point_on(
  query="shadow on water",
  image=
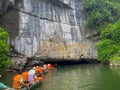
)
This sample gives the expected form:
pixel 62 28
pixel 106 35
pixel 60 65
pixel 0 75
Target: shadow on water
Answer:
pixel 72 62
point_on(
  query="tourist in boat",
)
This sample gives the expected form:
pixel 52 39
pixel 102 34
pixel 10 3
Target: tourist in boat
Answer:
pixel 25 77
pixel 39 70
pixel 45 67
pixel 49 66
pixel 37 79
pixel 31 75
pixel 18 82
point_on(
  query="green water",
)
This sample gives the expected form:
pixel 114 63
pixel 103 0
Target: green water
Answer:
pixel 78 77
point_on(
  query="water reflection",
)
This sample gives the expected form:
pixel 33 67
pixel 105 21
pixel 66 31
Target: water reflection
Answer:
pixel 109 79
pixel 79 77
pixel 116 70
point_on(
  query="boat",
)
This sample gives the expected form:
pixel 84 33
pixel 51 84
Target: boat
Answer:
pixel 46 71
pixel 32 86
pixel 37 83
pixel 51 68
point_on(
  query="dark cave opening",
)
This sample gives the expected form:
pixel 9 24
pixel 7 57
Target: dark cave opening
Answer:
pixel 71 62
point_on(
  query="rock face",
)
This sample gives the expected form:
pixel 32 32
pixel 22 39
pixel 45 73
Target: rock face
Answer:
pixel 52 29
pixel 3 6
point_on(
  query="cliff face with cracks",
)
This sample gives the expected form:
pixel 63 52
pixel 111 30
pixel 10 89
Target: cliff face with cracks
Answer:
pixel 50 29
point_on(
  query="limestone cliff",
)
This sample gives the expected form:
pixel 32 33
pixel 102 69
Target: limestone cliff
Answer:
pixel 4 5
pixel 50 29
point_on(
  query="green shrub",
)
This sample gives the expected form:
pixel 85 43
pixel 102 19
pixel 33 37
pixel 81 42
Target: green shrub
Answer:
pixel 4 50
pixel 101 12
pixel 109 45
pixel 104 16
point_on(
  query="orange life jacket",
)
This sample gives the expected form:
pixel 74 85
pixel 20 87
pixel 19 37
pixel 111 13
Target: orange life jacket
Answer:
pixel 39 70
pixel 25 76
pixel 49 66
pixel 16 81
pixel 37 79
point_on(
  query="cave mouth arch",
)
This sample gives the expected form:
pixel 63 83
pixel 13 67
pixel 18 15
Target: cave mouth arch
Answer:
pixel 71 62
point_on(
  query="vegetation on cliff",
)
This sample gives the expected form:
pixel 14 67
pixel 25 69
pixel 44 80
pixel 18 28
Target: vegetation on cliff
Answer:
pixel 4 49
pixel 104 16
pixel 109 46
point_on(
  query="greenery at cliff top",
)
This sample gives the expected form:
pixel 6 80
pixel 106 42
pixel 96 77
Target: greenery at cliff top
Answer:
pixel 4 50
pixel 101 12
pixel 104 17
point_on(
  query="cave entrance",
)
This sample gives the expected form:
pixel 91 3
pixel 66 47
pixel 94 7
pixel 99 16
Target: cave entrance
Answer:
pixel 71 62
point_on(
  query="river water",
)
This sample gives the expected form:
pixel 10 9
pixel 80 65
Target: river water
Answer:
pixel 77 77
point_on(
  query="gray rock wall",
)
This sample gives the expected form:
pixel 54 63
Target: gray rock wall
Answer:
pixel 53 30
pixel 3 6
pixel 49 29
pixel 9 18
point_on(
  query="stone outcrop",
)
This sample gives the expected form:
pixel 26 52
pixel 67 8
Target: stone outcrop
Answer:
pixel 50 29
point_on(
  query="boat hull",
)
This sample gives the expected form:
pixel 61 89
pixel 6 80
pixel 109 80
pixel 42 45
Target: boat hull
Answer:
pixel 32 86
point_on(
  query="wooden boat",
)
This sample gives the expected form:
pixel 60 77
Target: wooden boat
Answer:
pixel 38 83
pixel 46 71
pixel 51 68
pixel 32 86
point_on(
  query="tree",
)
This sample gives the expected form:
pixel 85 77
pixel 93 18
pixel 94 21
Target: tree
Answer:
pixel 104 16
pixel 4 50
pixel 109 45
pixel 101 12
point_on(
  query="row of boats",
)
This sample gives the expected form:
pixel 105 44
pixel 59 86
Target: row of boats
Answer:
pixel 28 80
pixel 45 71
